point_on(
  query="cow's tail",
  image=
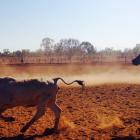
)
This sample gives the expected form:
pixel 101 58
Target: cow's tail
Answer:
pixel 80 82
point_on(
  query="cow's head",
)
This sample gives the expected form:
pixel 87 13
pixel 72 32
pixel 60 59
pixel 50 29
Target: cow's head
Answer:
pixel 136 61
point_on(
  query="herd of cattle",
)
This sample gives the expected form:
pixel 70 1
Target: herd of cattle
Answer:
pixel 31 93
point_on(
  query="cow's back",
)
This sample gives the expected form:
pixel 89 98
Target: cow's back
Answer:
pixel 24 93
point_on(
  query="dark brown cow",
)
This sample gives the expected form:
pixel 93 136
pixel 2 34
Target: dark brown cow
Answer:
pixel 136 61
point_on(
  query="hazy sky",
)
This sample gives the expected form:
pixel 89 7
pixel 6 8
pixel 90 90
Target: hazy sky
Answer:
pixel 105 23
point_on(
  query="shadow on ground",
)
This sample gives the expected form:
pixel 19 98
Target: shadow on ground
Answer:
pixel 124 138
pixel 47 132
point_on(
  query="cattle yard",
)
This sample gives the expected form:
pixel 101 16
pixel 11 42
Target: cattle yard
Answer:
pixel 108 108
pixel 82 59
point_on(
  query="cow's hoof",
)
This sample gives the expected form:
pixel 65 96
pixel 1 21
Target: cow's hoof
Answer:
pixel 50 131
pixel 55 130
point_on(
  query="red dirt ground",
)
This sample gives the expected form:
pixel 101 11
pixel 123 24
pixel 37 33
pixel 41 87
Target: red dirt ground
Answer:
pixel 101 112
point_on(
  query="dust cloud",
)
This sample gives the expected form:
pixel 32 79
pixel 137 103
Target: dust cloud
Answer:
pixel 65 123
pixel 91 74
pixel 106 121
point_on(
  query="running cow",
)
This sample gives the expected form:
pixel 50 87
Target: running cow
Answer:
pixel 31 93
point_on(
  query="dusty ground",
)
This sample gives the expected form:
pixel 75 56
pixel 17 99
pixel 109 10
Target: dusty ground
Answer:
pixel 109 108
pixel 109 111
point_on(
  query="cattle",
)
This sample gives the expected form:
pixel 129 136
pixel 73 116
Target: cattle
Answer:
pixel 5 81
pixel 32 93
pixel 136 61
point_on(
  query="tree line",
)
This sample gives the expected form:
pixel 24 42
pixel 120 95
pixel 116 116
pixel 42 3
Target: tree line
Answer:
pixel 70 47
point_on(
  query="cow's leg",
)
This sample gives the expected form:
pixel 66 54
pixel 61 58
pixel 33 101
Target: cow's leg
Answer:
pixel 40 112
pixel 7 119
pixel 1 111
pixel 57 111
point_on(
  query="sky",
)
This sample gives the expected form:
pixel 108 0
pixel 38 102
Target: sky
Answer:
pixel 104 23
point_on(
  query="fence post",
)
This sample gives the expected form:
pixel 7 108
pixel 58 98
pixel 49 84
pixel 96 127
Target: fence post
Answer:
pixel 125 59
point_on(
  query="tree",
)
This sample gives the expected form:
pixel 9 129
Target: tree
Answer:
pixel 69 43
pixel 39 52
pixel 69 46
pixel 47 45
pixel 107 51
pixel 58 49
pixel 6 52
pixel 87 48
pixel 17 53
pixel 136 49
pixel 26 52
